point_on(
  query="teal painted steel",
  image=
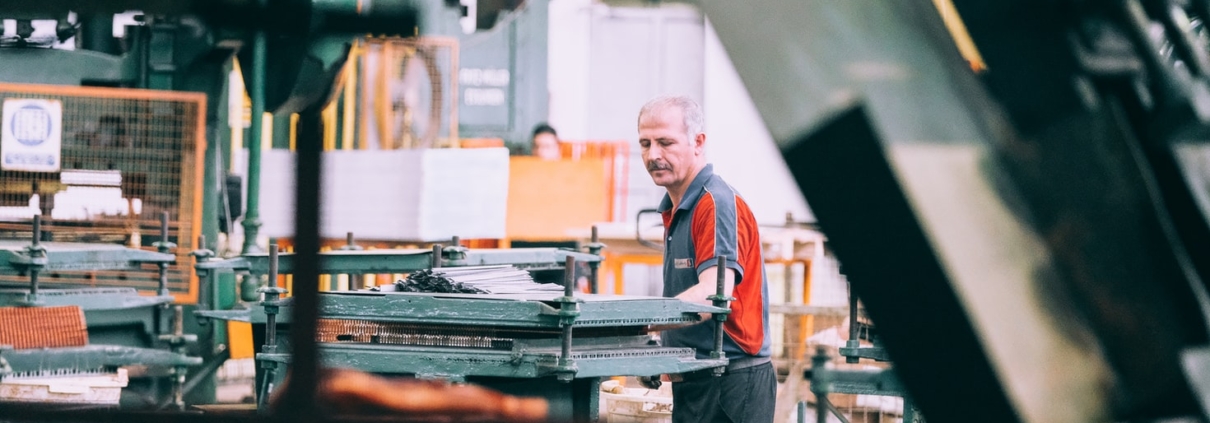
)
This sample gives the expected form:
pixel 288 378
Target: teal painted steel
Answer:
pixel 464 362
pixel 88 299
pixel 256 91
pixel 403 260
pixel 78 256
pixel 239 315
pixel 507 310
pixel 484 310
pixel 92 357
pixel 62 67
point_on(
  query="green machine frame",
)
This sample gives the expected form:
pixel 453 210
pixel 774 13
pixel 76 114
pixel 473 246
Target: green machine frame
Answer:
pixel 559 366
pixel 124 328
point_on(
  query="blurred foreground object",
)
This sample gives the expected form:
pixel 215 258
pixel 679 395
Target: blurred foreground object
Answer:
pixel 349 393
pixel 1034 222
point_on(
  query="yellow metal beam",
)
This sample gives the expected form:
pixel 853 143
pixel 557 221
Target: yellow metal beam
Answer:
pixel 962 38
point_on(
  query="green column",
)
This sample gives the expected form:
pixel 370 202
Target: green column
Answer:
pixel 256 90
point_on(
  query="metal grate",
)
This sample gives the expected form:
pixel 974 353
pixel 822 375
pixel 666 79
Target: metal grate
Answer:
pixel 42 327
pixel 127 155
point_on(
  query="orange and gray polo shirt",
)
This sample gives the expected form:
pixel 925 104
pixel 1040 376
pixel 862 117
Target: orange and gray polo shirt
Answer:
pixel 712 221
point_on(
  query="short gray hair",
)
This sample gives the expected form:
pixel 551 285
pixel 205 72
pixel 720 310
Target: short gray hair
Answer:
pixel 690 110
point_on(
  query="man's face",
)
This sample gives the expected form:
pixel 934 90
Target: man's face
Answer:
pixel 669 154
pixel 546 146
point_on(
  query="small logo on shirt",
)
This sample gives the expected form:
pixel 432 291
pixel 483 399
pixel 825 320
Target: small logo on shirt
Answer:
pixel 683 263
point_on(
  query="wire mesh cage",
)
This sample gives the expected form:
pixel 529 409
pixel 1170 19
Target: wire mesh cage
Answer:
pixel 126 156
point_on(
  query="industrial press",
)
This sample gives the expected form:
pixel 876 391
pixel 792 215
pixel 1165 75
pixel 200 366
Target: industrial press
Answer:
pixel 55 343
pixel 556 345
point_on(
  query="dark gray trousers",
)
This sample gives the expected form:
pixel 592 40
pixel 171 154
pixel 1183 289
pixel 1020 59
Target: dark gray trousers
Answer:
pixel 746 395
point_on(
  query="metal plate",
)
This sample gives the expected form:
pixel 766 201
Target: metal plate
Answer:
pixel 486 310
pixel 403 260
pixel 528 364
pixel 93 357
pixel 79 256
pixel 88 299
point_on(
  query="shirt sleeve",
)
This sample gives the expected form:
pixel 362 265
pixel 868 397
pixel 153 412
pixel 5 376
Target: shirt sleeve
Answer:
pixel 715 234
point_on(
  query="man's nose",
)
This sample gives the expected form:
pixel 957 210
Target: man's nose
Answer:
pixel 653 153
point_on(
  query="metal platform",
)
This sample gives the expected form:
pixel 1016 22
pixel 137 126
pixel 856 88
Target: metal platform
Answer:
pixel 88 299
pixel 402 260
pixel 90 357
pixel 538 311
pixel 14 255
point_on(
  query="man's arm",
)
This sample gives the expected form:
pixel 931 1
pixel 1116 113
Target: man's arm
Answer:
pixel 707 285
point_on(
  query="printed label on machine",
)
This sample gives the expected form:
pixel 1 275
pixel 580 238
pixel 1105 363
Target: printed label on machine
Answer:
pixel 31 134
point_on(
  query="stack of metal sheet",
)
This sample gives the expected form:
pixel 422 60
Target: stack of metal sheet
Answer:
pixel 500 279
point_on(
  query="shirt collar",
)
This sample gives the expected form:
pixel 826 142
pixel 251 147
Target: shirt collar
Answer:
pixel 692 194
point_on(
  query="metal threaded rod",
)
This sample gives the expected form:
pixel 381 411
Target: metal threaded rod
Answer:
pixel 163 248
pixel 819 382
pixel 854 342
pixel 33 271
pixel 569 282
pixel 350 245
pixel 852 314
pixel 569 276
pixel 37 229
pixel 178 320
pixel 592 266
pixel 273 265
pixel 271 318
pixel 164 227
pixel 718 325
pixel 204 295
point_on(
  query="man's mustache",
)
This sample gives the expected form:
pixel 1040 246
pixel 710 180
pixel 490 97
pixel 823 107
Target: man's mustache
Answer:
pixel 654 166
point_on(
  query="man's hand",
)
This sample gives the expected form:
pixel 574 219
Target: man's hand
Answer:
pixel 707 285
pixel 650 382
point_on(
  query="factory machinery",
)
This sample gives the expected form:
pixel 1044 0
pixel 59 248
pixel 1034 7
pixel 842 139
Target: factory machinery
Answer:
pixel 55 343
pixel 555 345
pixel 828 379
pixel 1044 223
pixel 148 110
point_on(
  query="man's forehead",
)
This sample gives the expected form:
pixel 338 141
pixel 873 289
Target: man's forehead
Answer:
pixel 666 117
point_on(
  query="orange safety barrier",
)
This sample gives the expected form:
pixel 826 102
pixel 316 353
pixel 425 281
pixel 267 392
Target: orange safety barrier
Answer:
pixel 616 157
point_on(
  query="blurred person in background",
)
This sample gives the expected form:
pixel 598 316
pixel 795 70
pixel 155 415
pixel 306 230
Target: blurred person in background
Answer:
pixel 545 145
pixel 545 142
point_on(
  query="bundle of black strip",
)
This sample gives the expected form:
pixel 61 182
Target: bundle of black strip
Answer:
pixel 504 279
pixel 427 281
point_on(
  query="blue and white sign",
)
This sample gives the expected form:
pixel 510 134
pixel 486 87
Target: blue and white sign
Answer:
pixel 31 135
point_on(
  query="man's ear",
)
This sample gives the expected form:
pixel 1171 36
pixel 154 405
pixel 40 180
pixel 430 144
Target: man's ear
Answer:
pixel 699 142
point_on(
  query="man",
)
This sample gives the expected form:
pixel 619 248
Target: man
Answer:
pixel 704 218
pixel 545 142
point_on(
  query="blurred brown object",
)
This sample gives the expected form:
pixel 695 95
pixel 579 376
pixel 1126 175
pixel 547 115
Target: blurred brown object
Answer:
pixel 351 393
